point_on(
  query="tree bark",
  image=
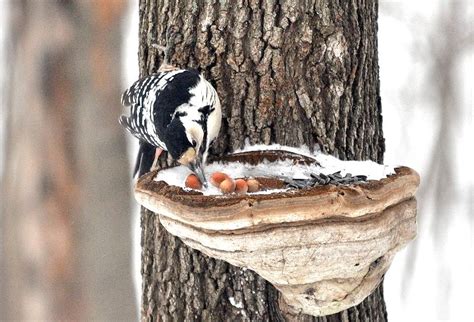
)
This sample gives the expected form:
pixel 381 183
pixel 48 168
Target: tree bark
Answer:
pixel 288 72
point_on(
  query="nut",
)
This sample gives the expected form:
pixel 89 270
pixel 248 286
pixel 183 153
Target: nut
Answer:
pixel 241 186
pixel 217 178
pixel 227 186
pixel 193 182
pixel 253 185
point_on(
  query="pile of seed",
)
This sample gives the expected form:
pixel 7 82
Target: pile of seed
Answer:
pixel 320 179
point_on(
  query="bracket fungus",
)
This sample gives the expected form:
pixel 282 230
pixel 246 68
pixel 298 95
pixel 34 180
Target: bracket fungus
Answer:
pixel 324 247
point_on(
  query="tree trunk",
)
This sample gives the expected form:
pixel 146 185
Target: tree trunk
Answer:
pixel 287 72
pixel 65 224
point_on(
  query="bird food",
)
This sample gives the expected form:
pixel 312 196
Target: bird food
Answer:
pixel 225 183
pixel 241 186
pixel 217 178
pixel 320 179
pixel 193 182
pixel 269 172
pixel 227 186
pixel 253 185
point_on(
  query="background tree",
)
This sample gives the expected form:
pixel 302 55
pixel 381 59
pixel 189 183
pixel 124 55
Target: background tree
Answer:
pixel 287 72
pixel 65 223
pixel 434 98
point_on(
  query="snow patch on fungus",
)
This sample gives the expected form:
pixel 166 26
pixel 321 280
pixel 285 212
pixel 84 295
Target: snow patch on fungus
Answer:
pixel 303 149
pixel 282 169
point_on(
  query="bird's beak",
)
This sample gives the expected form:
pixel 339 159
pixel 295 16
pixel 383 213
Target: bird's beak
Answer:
pixel 196 167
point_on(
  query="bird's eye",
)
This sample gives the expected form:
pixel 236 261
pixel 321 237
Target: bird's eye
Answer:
pixel 194 143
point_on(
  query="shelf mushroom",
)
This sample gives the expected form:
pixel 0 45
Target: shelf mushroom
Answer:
pixel 325 248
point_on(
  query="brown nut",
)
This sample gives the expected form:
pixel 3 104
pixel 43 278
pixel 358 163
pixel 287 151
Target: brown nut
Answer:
pixel 217 178
pixel 253 185
pixel 192 181
pixel 241 186
pixel 227 186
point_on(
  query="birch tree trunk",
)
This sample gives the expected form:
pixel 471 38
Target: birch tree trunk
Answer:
pixel 288 72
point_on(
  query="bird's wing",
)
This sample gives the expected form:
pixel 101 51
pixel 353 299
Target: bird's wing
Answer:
pixel 136 93
pixel 126 123
pixel 140 98
pixel 146 151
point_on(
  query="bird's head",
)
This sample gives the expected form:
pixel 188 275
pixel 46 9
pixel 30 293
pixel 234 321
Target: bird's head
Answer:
pixel 184 142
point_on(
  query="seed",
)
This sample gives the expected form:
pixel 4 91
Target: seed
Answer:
pixel 318 179
pixel 193 182
pixel 337 174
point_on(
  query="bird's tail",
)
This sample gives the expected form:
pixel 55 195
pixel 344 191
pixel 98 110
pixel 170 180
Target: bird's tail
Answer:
pixel 145 158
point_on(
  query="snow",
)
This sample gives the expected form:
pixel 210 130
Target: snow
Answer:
pixel 330 164
pixel 282 169
pixel 303 149
pixel 232 301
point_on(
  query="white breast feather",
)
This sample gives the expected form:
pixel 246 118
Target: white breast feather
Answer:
pixel 202 94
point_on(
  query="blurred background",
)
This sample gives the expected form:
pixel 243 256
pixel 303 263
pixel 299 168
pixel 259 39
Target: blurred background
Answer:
pixel 69 233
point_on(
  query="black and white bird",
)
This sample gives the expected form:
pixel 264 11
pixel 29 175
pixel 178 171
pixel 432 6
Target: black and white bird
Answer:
pixel 177 111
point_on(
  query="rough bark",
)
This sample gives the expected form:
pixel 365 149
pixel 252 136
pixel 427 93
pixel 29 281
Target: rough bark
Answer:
pixel 287 72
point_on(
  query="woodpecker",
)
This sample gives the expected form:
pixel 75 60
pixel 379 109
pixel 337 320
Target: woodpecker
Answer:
pixel 177 111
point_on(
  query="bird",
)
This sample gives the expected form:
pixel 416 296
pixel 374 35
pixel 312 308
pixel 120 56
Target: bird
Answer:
pixel 176 110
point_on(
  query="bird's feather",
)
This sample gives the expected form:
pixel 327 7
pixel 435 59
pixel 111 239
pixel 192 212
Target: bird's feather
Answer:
pixel 145 158
pixel 125 122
